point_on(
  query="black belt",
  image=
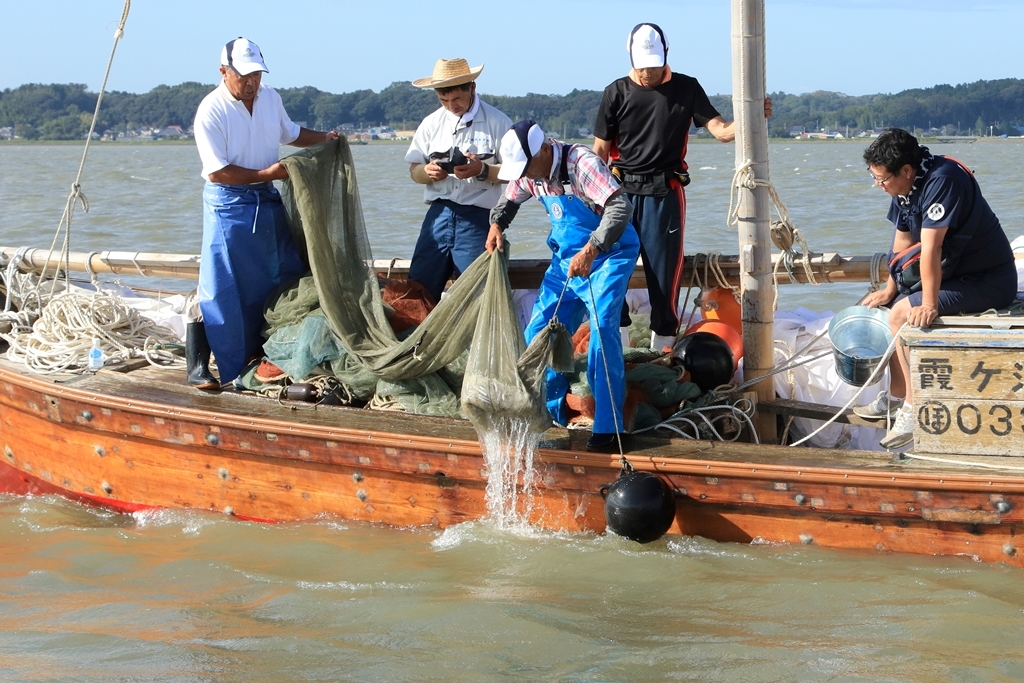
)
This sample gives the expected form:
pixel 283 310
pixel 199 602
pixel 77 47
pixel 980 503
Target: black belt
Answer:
pixel 634 178
pixel 682 176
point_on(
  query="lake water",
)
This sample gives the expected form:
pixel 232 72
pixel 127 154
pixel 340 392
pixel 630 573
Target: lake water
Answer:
pixel 148 198
pixel 86 595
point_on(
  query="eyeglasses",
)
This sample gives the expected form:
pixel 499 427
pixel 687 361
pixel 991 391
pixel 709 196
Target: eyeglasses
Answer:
pixel 881 181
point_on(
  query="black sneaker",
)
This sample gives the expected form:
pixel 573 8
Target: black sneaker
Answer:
pixel 603 442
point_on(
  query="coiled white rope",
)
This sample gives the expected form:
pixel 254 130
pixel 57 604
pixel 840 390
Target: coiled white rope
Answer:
pixel 20 288
pixel 703 422
pixel 60 339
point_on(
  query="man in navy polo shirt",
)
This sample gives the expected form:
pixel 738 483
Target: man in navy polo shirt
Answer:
pixel 964 263
pixel 642 128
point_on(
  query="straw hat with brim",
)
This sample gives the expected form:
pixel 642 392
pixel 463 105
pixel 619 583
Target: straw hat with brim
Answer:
pixel 448 73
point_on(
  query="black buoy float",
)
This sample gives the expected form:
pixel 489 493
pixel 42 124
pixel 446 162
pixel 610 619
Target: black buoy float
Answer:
pixel 639 506
pixel 707 357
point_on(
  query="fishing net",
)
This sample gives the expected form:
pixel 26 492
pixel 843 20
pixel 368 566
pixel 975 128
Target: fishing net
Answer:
pixel 422 371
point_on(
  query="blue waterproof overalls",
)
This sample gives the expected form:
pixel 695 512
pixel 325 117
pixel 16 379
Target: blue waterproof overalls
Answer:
pixel 247 252
pixel 572 222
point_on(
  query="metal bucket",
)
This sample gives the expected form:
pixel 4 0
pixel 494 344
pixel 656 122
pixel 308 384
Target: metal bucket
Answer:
pixel 859 336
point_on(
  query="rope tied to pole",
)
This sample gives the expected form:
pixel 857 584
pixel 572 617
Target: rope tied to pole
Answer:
pixel 784 233
pixel 876 261
pixel 77 196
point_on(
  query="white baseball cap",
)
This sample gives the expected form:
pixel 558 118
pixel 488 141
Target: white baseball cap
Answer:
pixel 519 145
pixel 647 46
pixel 244 56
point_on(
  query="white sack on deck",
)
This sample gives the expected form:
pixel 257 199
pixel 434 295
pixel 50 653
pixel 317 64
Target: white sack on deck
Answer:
pixel 818 382
pixel 1018 252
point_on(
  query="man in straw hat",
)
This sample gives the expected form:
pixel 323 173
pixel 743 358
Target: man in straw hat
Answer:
pixel 247 248
pixel 455 155
pixel 594 253
pixel 642 128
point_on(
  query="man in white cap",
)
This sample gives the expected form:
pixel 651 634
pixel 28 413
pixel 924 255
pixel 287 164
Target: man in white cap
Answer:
pixel 247 247
pixel 593 256
pixel 642 128
pixel 454 154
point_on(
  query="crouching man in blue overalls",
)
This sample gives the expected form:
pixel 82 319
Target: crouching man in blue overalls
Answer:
pixel 592 258
pixel 247 248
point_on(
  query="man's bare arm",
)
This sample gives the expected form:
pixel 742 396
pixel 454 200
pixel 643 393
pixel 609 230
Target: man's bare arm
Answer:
pixel 236 175
pixel 602 148
pixel 726 132
pixel 308 138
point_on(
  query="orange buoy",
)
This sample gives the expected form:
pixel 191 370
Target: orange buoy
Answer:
pixel 724 332
pixel 720 304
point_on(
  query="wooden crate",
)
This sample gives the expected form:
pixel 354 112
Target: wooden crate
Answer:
pixel 968 389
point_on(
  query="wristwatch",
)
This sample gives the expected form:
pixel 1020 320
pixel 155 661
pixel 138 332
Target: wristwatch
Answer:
pixel 484 168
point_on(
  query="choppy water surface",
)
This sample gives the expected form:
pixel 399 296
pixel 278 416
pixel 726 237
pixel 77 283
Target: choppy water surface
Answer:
pixel 148 198
pixel 173 596
pixel 170 596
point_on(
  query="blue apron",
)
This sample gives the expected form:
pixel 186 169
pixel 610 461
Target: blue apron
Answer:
pixel 572 222
pixel 247 252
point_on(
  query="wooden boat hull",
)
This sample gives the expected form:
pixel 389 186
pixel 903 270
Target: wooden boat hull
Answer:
pixel 129 453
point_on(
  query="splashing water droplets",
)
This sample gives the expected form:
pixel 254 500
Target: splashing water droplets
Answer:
pixel 508 447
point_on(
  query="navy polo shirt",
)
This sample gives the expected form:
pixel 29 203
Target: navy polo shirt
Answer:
pixel 950 197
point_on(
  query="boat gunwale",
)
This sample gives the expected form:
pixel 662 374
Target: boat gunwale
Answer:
pixel 662 464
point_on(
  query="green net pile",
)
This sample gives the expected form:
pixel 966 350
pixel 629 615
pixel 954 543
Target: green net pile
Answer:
pixel 467 358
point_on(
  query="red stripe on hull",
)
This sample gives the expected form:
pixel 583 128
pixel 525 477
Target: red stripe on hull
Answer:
pixel 20 483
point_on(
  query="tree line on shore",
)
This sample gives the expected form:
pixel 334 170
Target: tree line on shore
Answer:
pixel 64 111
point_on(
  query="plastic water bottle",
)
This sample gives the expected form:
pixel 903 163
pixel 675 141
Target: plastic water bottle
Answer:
pixel 95 355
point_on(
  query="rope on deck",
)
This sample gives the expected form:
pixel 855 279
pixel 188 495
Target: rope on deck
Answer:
pixel 951 461
pixel 60 339
pixel 53 331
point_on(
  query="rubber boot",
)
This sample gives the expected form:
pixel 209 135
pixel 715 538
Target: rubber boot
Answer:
pixel 624 334
pixel 660 342
pixel 197 358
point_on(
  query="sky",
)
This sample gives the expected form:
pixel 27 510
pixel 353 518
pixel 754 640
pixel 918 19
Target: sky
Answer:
pixel 856 47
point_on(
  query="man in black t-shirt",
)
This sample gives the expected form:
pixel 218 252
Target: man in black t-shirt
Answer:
pixel 642 128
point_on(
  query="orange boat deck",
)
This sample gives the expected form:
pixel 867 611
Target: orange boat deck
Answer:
pixel 142 438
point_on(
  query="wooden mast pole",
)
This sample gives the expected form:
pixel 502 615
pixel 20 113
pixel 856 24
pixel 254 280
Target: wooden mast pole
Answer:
pixel 748 93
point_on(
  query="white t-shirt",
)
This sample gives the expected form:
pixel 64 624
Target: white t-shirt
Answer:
pixel 482 135
pixel 227 134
